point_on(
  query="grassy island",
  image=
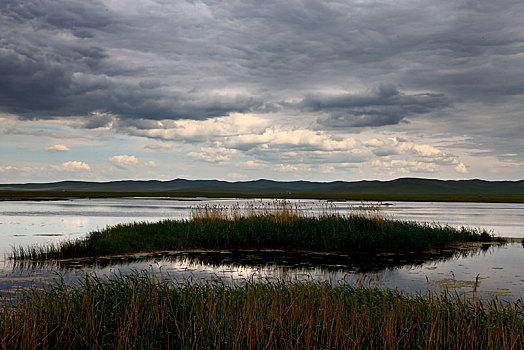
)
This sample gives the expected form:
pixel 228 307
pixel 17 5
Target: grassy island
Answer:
pixel 277 225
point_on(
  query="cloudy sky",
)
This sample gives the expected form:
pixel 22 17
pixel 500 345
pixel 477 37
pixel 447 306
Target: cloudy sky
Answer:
pixel 241 89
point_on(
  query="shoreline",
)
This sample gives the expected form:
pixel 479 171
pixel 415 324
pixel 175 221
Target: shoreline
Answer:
pixel 152 253
pixel 373 197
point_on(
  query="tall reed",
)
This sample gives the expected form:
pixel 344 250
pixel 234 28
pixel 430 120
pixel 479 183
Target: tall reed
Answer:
pixel 137 311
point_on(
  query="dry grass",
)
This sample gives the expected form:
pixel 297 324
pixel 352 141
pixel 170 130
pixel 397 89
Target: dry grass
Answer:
pixel 281 210
pixel 138 312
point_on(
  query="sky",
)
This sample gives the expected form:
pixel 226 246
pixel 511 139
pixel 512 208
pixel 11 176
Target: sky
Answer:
pixel 103 90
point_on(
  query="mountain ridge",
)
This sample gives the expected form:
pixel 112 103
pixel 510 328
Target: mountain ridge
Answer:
pixel 408 185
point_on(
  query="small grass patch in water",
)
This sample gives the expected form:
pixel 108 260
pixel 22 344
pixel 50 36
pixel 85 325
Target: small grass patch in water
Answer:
pixel 452 283
pixel 137 311
pixel 277 225
pixel 496 293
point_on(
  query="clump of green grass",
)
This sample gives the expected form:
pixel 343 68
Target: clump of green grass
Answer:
pixel 137 311
pixel 280 225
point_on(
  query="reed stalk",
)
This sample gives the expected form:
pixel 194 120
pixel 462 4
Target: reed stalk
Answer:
pixel 139 311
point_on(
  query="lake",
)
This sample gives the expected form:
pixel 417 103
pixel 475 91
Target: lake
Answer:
pixel 492 271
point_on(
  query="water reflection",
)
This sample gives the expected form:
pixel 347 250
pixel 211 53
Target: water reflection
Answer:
pixel 355 262
pixel 494 268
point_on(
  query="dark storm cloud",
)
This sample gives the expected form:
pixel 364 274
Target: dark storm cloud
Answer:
pixel 48 70
pixel 200 59
pixel 385 105
pixel 97 121
pixel 33 87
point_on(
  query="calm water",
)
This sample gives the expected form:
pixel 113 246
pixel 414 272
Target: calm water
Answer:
pixel 484 271
pixel 499 267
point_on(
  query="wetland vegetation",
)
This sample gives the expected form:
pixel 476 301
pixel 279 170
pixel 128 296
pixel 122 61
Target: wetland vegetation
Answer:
pixel 275 225
pixel 136 311
pixel 141 310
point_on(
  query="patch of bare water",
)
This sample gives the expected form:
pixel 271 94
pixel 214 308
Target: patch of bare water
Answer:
pixel 471 270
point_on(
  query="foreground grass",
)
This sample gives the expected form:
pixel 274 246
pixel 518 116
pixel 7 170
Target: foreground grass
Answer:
pixel 278 225
pixel 138 312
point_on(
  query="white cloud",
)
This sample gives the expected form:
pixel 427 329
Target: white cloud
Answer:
pixel 237 176
pixel 212 154
pixel 196 130
pixel 461 168
pixel 151 164
pixel 394 145
pixel 57 148
pixel 28 169
pixel 422 152
pixel 124 161
pixel 72 166
pixel 405 166
pixel 326 168
pixel 290 168
pixel 7 168
pixel 299 138
pixel 250 164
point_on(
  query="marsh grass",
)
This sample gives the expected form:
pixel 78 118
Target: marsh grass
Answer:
pixel 137 311
pixel 274 225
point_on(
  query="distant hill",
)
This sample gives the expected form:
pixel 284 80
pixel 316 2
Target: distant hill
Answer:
pixel 402 186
